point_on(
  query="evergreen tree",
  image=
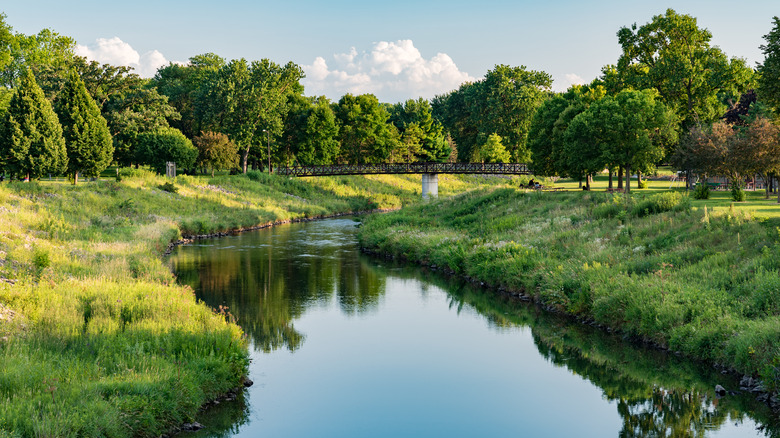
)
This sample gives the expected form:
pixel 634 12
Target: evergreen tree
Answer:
pixel 31 141
pixel 87 138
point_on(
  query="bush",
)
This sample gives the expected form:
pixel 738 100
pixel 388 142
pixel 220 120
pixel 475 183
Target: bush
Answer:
pixel 666 201
pixel 163 145
pixel 702 191
pixel 737 194
pixel 168 187
pixel 643 184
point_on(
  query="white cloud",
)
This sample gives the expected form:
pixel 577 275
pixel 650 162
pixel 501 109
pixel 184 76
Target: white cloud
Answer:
pixel 569 79
pixel 114 51
pixel 393 71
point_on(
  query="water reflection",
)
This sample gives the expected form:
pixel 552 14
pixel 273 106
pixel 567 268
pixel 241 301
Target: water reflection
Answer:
pixel 272 278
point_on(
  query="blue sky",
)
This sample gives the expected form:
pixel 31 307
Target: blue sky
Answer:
pixel 397 50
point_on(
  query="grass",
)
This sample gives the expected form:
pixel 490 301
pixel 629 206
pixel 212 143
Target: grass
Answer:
pixel 654 265
pixel 96 337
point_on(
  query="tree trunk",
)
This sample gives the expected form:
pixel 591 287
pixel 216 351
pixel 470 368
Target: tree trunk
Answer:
pixel 244 158
pixel 620 177
pixel 75 178
pixel 610 178
pixel 587 182
pixel 638 180
pixel 628 179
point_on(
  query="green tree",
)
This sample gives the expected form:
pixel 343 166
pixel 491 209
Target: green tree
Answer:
pixel 87 139
pixel 504 103
pixel 494 151
pixel 31 141
pixel 311 131
pixel 364 131
pixel 673 55
pixel 157 147
pixel 181 84
pixel 433 145
pixel 629 129
pixel 215 150
pixel 769 70
pixel 246 101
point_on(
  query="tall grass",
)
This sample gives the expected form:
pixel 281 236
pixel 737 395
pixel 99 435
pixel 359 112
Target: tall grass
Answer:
pixel 652 266
pixel 97 339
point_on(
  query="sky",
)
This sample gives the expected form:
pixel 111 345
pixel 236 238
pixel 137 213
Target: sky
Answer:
pixel 396 50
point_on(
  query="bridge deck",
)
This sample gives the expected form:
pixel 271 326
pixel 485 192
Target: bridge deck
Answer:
pixel 406 168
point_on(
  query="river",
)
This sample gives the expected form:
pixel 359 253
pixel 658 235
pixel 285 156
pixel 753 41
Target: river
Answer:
pixel 346 345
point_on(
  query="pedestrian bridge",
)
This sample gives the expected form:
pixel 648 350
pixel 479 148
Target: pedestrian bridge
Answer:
pixel 430 171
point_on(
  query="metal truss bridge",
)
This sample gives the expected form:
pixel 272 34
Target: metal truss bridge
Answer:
pixel 430 171
pixel 406 168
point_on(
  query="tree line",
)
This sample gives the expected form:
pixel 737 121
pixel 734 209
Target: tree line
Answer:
pixel 670 97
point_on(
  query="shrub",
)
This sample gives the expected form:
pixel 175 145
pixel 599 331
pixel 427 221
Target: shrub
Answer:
pixel 163 145
pixel 661 202
pixel 643 184
pixel 737 194
pixel 702 191
pixel 168 187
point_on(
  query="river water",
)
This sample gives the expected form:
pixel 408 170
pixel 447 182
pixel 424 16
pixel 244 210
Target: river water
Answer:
pixel 346 345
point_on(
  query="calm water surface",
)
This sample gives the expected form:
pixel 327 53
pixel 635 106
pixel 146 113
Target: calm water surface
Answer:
pixel 344 345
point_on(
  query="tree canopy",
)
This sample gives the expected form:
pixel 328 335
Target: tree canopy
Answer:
pixel 672 55
pixel 769 70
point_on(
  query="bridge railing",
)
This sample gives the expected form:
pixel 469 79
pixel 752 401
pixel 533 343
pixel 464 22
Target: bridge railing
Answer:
pixel 406 168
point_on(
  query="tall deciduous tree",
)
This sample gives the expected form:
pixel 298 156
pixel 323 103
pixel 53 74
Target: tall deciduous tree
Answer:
pixel 181 83
pixel 87 139
pixel 246 101
pixel 433 145
pixel 769 78
pixel 673 55
pixel 31 141
pixel 364 131
pixel 311 131
pixel 629 129
pixel 503 103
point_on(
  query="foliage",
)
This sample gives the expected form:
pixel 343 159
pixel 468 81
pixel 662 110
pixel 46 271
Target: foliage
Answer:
pixel 181 84
pixel 627 130
pixel 672 55
pixel 769 70
pixel 163 145
pixel 215 150
pixel 493 151
pixel 702 191
pixel 246 101
pixel 87 139
pixel 365 135
pixel 31 142
pixel 168 187
pixel 426 141
pixel 503 102
pixel 311 131
pixel 737 194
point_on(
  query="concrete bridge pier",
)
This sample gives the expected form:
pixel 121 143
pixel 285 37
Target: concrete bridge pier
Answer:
pixel 430 185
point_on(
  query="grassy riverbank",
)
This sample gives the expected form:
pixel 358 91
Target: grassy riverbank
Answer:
pixel 656 266
pixel 96 338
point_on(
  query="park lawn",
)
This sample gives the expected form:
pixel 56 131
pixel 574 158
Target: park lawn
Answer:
pixel 656 265
pixel 96 337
